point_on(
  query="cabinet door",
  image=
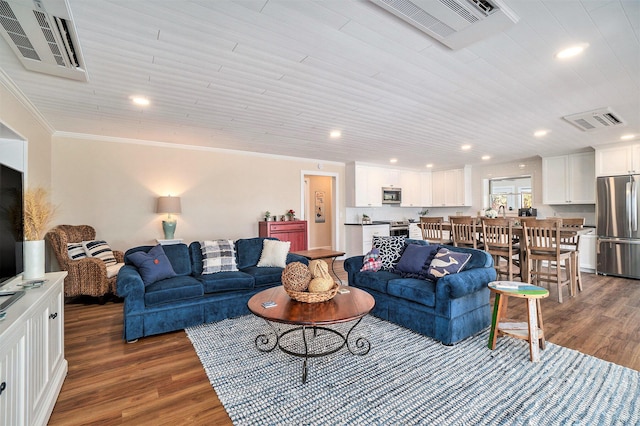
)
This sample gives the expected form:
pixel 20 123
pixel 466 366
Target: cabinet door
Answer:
pixel 588 252
pixel 368 232
pixel 555 179
pixel 438 189
pixel 614 161
pixel 38 333
pixel 410 184
pixel 582 178
pixel 12 379
pixel 454 183
pixel 426 200
pixel 368 190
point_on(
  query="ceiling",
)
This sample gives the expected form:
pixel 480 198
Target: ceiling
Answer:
pixel 276 76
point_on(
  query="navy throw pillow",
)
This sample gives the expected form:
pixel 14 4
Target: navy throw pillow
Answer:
pixel 413 259
pixel 447 262
pixel 153 266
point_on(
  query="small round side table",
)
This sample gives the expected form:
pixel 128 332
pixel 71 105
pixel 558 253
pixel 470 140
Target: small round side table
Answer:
pixel 532 330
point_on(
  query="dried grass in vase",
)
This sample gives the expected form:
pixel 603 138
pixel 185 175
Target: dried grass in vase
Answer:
pixel 38 213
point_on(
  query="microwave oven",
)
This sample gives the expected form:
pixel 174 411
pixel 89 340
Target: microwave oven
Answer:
pixel 391 195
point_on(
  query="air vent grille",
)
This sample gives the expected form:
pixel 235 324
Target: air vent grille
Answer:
pixel 598 119
pixel 13 28
pixel 48 36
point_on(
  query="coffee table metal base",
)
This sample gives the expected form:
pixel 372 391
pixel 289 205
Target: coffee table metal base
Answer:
pixel 267 342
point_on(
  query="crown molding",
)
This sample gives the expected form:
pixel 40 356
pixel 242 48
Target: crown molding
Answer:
pixel 8 83
pixel 113 139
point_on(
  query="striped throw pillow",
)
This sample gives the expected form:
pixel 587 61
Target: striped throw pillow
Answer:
pixel 101 250
pixel 76 251
pixel 218 256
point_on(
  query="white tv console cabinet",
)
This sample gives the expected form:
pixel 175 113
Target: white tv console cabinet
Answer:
pixel 32 363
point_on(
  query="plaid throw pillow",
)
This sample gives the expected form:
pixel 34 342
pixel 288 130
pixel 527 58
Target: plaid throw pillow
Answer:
pixel 371 261
pixel 218 256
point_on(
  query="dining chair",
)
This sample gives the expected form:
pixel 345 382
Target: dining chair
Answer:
pixel 497 236
pixel 463 231
pixel 432 230
pixel 573 243
pixel 543 244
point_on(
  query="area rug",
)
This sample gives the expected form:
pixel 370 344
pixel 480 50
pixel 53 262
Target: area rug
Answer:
pixel 407 378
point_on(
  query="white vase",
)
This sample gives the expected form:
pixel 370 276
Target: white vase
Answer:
pixel 33 260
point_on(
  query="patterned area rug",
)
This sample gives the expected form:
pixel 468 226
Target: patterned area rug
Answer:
pixel 407 378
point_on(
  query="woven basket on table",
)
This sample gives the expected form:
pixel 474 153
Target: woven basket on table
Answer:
pixel 305 296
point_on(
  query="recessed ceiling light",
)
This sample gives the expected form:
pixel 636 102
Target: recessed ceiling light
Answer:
pixel 335 134
pixel 627 137
pixel 522 166
pixel 572 51
pixel 393 160
pixel 429 165
pixel 140 100
pixel 465 147
pixel 540 133
pixel 486 157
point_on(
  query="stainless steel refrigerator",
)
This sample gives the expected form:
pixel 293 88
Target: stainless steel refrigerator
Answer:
pixel 617 207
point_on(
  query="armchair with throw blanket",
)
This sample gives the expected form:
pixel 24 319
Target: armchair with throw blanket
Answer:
pixel 91 265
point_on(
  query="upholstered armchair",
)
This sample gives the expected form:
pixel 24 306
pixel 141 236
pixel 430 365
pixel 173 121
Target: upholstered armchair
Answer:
pixel 87 276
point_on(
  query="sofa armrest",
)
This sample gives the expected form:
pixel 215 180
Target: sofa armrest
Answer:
pixel 353 265
pixel 130 286
pixel 463 283
pixel 297 258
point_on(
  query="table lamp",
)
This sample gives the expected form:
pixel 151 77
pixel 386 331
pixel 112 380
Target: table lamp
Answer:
pixel 168 205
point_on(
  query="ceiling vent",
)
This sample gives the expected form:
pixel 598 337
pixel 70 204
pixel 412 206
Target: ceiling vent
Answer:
pixel 454 23
pixel 598 119
pixel 43 36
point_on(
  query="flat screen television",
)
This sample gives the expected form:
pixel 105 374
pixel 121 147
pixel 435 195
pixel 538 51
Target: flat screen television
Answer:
pixel 11 228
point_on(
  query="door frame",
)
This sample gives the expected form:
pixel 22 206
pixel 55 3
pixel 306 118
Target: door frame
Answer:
pixel 335 212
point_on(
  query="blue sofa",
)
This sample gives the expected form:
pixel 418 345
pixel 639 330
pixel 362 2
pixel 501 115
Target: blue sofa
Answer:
pixel 452 308
pixel 191 298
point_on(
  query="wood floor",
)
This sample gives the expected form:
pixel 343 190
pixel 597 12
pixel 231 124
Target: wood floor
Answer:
pixel 159 379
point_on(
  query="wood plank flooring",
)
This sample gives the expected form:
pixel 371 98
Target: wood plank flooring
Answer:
pixel 159 379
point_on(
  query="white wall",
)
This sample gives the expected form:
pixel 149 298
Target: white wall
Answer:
pixel 113 186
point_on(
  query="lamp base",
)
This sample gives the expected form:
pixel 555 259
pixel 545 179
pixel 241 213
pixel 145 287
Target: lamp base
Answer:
pixel 169 228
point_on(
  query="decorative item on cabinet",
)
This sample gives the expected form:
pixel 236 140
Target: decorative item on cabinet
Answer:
pixel 267 215
pixel 37 215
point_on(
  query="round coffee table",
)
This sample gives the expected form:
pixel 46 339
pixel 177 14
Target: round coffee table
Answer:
pixel 311 320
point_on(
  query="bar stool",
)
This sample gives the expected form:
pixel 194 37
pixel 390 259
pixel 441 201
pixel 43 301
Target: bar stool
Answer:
pixel 497 236
pixel 432 230
pixel 573 243
pixel 464 231
pixel 533 330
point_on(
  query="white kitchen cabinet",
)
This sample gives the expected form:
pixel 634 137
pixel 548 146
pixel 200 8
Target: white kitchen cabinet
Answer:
pixel 388 178
pixel 414 231
pixel 32 363
pixel 587 250
pixel 618 160
pixel 569 179
pixel 411 189
pixel 359 238
pixel 426 199
pixel 363 186
pixel 451 188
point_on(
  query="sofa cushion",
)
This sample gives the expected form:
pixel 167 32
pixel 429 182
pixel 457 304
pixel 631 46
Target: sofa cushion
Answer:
pixel 264 276
pixel 76 251
pixel 226 281
pixel 413 259
pixel 371 261
pixel 218 256
pixel 248 251
pixel 376 281
pixel 171 290
pixel 390 249
pixel 178 255
pixel 274 253
pixel 153 265
pixel 447 262
pixel 414 289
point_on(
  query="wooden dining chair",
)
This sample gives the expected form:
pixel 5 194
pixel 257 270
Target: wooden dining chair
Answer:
pixel 573 243
pixel 432 230
pixel 543 244
pixel 464 231
pixel 497 236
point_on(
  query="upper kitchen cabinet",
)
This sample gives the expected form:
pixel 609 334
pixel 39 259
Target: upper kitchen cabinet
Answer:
pixel 451 188
pixel 410 184
pixel 426 199
pixel 363 186
pixel 389 178
pixel 569 179
pixel 618 160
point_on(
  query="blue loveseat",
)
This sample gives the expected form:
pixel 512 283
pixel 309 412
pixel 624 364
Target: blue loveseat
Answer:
pixel 449 309
pixel 191 298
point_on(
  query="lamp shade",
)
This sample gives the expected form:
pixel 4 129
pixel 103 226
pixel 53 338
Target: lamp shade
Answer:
pixel 168 205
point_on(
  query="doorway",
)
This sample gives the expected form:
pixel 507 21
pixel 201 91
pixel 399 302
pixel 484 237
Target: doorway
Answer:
pixel 320 209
